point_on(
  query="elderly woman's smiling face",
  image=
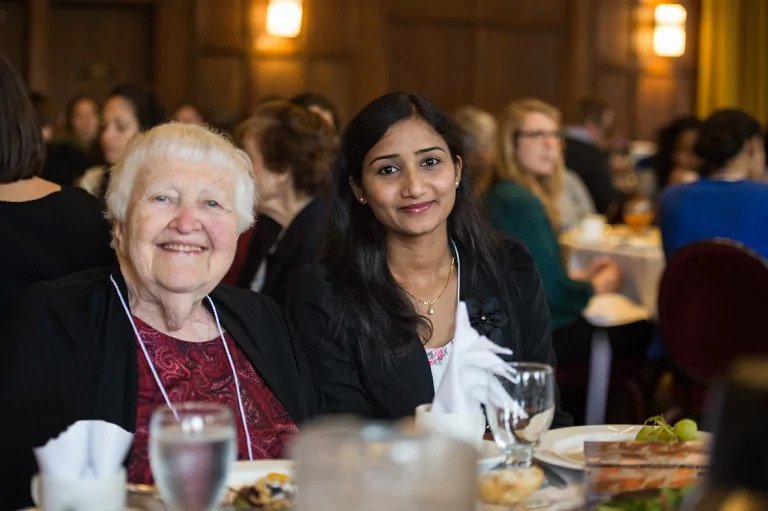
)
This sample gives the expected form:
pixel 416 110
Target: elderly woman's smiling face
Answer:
pixel 180 231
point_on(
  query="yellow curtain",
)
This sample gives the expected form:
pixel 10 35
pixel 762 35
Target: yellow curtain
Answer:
pixel 733 57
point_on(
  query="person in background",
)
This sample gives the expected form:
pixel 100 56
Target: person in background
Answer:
pixel 291 150
pixel 480 139
pixel 81 122
pixel 155 329
pixel 406 243
pixel 40 106
pixel 728 202
pixel 320 105
pixel 67 158
pixel 676 162
pixel 129 109
pixel 523 202
pixel 189 114
pixel 48 230
pixel 586 146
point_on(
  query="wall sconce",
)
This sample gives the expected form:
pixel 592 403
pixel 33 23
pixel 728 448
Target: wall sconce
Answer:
pixel 669 30
pixel 284 18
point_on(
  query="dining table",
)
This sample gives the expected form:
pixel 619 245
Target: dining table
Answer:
pixel 640 257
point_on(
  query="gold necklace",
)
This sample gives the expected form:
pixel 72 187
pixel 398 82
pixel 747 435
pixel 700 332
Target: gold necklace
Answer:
pixel 430 308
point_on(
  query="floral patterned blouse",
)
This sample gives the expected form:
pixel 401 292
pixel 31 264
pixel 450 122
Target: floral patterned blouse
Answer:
pixel 438 361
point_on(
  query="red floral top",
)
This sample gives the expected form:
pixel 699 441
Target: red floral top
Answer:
pixel 200 371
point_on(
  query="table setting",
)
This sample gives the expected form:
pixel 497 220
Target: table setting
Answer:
pixel 441 459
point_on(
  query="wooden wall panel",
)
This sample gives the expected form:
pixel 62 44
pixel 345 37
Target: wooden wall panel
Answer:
pixel 222 23
pixel 333 79
pixel 282 77
pixel 461 10
pixel 524 12
pixel 657 101
pixel 216 53
pixel 512 74
pixel 437 60
pixel 13 20
pixel 123 53
pixel 614 36
pixel 328 26
pixel 616 87
pixel 221 88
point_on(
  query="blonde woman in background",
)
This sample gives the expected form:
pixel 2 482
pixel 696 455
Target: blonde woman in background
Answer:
pixel 525 202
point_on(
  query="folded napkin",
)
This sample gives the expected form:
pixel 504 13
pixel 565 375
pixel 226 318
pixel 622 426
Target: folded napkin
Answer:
pixel 613 309
pixel 473 357
pixel 87 449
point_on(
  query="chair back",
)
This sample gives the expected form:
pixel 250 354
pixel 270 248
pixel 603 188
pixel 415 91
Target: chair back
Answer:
pixel 713 307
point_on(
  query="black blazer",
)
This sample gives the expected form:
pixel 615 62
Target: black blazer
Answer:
pixel 69 353
pixel 376 391
pixel 298 246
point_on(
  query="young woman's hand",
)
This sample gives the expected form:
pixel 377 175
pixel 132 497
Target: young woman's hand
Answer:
pixel 606 278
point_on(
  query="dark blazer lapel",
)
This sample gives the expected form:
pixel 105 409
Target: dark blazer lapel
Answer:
pixel 115 375
pixel 250 339
pixel 410 384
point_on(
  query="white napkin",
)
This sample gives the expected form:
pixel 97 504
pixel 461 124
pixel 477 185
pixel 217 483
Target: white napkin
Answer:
pixel 613 309
pixel 87 449
pixel 464 384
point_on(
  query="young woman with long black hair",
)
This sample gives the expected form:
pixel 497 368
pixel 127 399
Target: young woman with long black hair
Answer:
pixel 406 243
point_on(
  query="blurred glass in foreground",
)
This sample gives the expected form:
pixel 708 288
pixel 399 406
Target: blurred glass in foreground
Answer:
pixel 343 463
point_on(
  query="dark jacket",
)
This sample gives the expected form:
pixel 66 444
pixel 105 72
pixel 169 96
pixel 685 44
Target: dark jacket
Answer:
pixel 374 390
pixel 69 353
pixel 297 246
pixel 591 165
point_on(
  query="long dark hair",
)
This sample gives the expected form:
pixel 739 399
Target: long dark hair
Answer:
pixel 147 108
pixel 667 138
pixel 722 135
pixel 22 151
pixel 385 321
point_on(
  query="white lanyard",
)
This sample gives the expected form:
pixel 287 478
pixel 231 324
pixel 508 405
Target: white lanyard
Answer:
pixel 157 377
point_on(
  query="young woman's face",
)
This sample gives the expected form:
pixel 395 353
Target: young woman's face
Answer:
pixel 85 120
pixel 538 147
pixel 120 125
pixel 409 179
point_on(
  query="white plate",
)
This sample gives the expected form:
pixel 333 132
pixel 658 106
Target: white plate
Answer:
pixel 489 455
pixel 564 447
pixel 248 472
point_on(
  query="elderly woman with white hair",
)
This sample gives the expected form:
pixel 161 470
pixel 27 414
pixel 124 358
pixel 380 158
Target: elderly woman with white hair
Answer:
pixel 157 328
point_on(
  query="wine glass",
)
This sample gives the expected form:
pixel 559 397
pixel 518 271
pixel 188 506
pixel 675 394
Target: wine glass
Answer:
pixel 191 449
pixel 638 214
pixel 520 408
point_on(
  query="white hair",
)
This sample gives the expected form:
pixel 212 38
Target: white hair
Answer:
pixel 187 142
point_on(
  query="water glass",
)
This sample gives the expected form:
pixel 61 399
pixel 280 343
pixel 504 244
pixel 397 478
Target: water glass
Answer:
pixel 520 408
pixel 191 450
pixel 343 463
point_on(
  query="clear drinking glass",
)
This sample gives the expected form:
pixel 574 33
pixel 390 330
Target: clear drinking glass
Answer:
pixel 346 464
pixel 520 408
pixel 191 452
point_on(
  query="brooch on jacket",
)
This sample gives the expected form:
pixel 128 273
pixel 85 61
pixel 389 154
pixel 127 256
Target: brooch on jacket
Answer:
pixel 487 318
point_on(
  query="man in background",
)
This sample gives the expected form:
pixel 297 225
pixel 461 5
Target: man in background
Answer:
pixel 586 146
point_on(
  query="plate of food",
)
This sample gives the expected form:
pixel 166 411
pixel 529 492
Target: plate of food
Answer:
pixel 564 447
pixel 261 484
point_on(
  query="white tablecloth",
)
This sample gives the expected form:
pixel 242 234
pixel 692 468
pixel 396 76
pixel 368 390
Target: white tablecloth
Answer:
pixel 640 258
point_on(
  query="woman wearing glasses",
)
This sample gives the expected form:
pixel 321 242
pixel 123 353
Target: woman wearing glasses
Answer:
pixel 525 202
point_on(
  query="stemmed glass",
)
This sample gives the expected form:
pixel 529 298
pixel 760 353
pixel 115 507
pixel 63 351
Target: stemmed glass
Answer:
pixel 520 408
pixel 191 450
